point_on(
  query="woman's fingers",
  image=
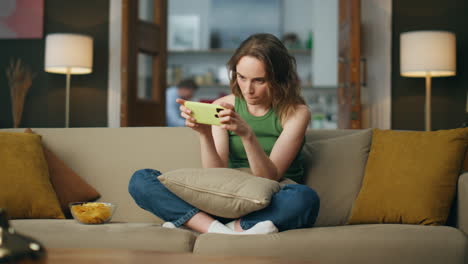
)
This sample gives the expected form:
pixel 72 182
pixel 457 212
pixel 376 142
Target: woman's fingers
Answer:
pixel 227 112
pixel 225 119
pixel 185 109
pixel 226 105
pixel 185 113
pixel 190 121
pixel 182 107
pixel 180 101
pixel 229 123
pixel 235 124
pixel 187 116
pixel 189 124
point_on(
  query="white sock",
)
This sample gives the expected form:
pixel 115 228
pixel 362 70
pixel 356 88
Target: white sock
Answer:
pixel 217 227
pixel 231 225
pixel 265 227
pixel 168 225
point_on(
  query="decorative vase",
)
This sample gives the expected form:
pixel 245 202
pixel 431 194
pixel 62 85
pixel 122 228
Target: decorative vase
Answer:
pixel 16 248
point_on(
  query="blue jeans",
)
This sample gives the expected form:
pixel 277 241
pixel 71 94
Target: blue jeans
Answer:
pixel 294 206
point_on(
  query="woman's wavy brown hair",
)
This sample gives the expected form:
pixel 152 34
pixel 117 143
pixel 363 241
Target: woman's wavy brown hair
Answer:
pixel 280 67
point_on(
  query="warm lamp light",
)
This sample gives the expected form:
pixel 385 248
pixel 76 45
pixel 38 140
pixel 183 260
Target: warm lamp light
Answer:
pixel 68 54
pixel 427 54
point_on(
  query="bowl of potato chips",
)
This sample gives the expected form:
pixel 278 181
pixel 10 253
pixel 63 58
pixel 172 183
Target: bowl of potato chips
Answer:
pixel 92 212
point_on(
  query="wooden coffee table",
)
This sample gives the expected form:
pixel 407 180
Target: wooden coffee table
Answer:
pixel 104 256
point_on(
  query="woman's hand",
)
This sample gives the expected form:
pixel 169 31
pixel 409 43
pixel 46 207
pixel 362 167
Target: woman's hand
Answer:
pixel 190 121
pixel 232 121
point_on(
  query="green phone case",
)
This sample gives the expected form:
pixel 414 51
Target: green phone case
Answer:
pixel 205 113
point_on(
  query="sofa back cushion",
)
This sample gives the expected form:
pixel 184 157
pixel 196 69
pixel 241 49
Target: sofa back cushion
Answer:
pixel 107 157
pixel 335 162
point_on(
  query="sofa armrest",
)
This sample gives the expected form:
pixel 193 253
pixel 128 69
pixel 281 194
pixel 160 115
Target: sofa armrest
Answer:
pixel 462 203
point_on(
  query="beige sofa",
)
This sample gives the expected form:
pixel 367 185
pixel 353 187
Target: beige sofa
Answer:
pixel 107 157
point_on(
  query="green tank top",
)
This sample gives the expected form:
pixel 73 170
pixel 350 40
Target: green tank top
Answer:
pixel 267 129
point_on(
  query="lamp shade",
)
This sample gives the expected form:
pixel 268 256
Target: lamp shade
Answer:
pixel 68 52
pixel 427 52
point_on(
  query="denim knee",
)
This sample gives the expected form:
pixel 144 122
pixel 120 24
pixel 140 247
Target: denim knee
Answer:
pixel 307 195
pixel 139 180
pixel 151 195
pixel 294 206
pixel 308 202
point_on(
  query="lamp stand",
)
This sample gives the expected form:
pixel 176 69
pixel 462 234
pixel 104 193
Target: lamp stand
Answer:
pixel 428 102
pixel 67 99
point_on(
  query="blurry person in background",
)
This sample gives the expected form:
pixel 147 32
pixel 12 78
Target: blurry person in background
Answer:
pixel 184 90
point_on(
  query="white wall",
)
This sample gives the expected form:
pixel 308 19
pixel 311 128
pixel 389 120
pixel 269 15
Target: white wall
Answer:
pixel 376 17
pixel 297 17
pixel 201 8
pixel 325 39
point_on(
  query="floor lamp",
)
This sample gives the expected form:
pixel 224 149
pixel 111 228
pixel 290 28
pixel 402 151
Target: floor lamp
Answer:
pixel 427 54
pixel 68 54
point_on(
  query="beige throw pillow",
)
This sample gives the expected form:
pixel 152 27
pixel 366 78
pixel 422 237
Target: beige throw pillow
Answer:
pixel 335 169
pixel 222 192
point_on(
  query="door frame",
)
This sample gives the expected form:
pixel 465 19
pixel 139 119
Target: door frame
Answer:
pixel 148 38
pixel 115 49
pixel 119 82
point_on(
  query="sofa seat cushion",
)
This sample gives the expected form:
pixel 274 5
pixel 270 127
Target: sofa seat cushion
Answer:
pixel 141 236
pixel 376 243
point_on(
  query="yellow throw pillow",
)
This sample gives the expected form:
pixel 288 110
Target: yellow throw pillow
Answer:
pixel 25 189
pixel 223 192
pixel 410 177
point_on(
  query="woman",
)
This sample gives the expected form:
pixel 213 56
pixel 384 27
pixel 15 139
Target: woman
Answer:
pixel 262 128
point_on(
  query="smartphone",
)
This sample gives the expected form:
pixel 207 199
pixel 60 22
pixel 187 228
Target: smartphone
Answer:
pixel 205 113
